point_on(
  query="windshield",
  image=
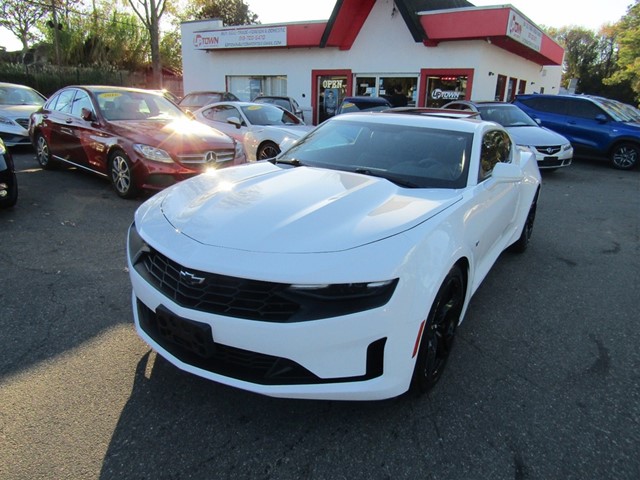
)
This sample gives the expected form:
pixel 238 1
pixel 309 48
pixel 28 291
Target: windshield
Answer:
pixel 198 100
pixel 267 114
pixel 19 96
pixel 506 115
pixel 414 157
pixel 619 111
pixel 135 105
pixel 356 105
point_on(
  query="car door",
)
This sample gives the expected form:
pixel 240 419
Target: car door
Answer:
pixel 85 147
pixel 490 222
pixel 588 126
pixel 218 117
pixel 58 122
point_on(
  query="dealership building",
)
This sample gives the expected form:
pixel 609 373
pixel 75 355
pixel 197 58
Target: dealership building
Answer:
pixel 430 51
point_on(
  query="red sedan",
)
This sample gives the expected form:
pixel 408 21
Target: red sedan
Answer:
pixel 135 137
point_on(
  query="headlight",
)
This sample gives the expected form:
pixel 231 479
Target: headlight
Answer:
pixel 524 148
pixel 329 300
pixel 152 153
pixel 7 121
pixel 239 150
pixel 3 149
pixel 566 147
pixel 135 244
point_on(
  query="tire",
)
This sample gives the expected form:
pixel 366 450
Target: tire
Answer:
pixel 11 199
pixel 121 174
pixel 439 332
pixel 520 246
pixel 267 150
pixel 624 156
pixel 43 153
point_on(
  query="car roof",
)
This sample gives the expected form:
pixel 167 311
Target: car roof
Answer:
pixel 15 85
pixel 97 88
pixel 457 124
pixel 364 98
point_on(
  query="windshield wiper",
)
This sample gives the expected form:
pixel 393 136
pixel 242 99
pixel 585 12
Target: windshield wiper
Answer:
pixel 401 182
pixel 292 161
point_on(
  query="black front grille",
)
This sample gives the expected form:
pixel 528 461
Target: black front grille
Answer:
pixel 549 149
pixel 193 343
pixel 220 294
pixel 23 122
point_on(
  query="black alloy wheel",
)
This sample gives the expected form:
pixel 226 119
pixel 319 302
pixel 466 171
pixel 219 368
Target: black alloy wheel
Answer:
pixel 267 150
pixel 439 332
pixel 121 174
pixel 625 156
pixel 520 246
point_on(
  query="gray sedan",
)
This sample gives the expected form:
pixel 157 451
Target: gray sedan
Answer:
pixel 17 103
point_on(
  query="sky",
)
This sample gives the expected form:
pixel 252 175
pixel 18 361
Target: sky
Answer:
pixel 591 14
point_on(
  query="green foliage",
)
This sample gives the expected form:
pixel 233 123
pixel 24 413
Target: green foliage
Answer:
pixel 590 58
pixel 628 40
pixel 102 38
pixel 231 12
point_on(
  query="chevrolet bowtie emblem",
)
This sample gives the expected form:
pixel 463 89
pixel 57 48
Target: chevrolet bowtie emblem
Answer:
pixel 190 278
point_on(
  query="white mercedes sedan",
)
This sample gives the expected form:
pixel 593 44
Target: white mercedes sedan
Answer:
pixel 261 128
pixel 341 268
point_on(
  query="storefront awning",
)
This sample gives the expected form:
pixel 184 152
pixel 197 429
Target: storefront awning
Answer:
pixel 502 26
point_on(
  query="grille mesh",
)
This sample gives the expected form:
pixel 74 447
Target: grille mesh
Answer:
pixel 213 293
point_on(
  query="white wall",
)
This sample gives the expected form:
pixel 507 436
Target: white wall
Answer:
pixel 383 46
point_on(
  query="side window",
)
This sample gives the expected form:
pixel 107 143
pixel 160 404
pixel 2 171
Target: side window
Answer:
pixel 585 109
pixel 550 105
pixel 496 147
pixel 222 113
pixel 81 101
pixel 65 101
pixel 51 103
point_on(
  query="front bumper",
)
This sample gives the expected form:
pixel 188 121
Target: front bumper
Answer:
pixel 560 159
pixel 365 355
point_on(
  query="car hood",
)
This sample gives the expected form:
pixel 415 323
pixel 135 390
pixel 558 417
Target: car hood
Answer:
pixel 262 207
pixel 18 111
pixel 295 131
pixel 173 136
pixel 536 136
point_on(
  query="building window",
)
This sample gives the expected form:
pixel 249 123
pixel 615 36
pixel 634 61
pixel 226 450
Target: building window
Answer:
pixel 501 86
pixel 444 89
pixel 248 88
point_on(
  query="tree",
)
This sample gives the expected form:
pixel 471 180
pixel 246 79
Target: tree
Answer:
pixel 590 58
pixel 150 12
pixel 628 62
pixel 231 12
pixel 21 18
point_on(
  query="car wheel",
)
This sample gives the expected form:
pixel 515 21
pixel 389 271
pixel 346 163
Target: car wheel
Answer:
pixel 439 332
pixel 267 150
pixel 43 153
pixel 625 156
pixel 12 194
pixel 525 237
pixel 121 174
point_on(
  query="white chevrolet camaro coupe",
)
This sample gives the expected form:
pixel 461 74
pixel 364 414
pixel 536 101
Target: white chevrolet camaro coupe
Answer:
pixel 340 269
pixel 262 128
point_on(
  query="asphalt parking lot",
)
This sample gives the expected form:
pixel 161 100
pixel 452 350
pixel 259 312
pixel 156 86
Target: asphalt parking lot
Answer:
pixel 543 383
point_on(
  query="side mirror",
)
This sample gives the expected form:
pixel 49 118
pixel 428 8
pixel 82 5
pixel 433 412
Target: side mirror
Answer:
pixel 234 121
pixel 601 118
pixel 190 114
pixel 87 115
pixel 507 173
